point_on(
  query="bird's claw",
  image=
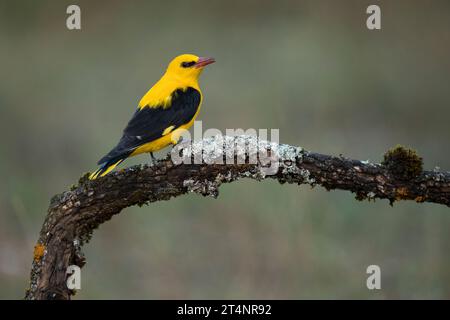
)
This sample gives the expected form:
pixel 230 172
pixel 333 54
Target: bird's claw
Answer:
pixel 152 159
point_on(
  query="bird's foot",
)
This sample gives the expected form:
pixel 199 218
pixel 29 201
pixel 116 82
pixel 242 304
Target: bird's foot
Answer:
pixel 152 159
pixel 180 140
pixel 176 140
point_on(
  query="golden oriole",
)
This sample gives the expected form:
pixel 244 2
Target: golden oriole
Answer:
pixel 164 112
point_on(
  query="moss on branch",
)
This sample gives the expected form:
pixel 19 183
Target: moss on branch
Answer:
pixel 74 214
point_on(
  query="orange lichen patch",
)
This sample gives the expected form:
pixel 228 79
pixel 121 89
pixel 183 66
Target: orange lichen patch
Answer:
pixel 39 250
pixel 401 193
pixel 420 199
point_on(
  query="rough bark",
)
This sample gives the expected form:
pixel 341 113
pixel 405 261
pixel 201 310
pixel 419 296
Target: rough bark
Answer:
pixel 73 215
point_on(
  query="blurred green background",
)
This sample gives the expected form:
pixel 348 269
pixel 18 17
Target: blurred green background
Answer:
pixel 310 68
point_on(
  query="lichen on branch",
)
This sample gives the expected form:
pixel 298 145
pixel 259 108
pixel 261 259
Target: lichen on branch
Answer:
pixel 74 214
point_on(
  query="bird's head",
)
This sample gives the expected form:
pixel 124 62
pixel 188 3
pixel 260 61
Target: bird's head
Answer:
pixel 188 66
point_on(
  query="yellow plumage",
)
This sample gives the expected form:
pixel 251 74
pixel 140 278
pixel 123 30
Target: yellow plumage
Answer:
pixel 174 103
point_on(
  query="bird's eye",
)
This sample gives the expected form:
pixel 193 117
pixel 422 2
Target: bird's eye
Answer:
pixel 187 64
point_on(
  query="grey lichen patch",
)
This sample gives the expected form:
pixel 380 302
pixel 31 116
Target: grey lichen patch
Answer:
pixel 438 175
pixel 210 148
pixel 249 149
pixel 290 157
pixel 363 195
pixel 205 188
pixel 403 163
pixel 371 195
pixel 306 176
pixel 287 152
pixel 228 177
pixel 240 149
pixel 245 148
pixel 267 157
pixel 79 258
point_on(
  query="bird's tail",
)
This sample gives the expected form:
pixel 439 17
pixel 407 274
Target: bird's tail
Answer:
pixel 104 169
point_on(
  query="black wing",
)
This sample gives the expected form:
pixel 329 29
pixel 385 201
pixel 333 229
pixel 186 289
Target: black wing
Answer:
pixel 148 124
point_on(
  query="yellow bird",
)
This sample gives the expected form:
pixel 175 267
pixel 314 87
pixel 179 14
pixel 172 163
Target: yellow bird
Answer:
pixel 164 112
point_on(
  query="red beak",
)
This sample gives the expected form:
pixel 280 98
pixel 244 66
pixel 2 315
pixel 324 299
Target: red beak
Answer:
pixel 203 62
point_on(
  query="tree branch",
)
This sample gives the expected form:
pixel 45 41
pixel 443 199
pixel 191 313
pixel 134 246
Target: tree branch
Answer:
pixel 74 215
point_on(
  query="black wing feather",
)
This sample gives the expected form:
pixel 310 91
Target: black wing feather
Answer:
pixel 148 124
